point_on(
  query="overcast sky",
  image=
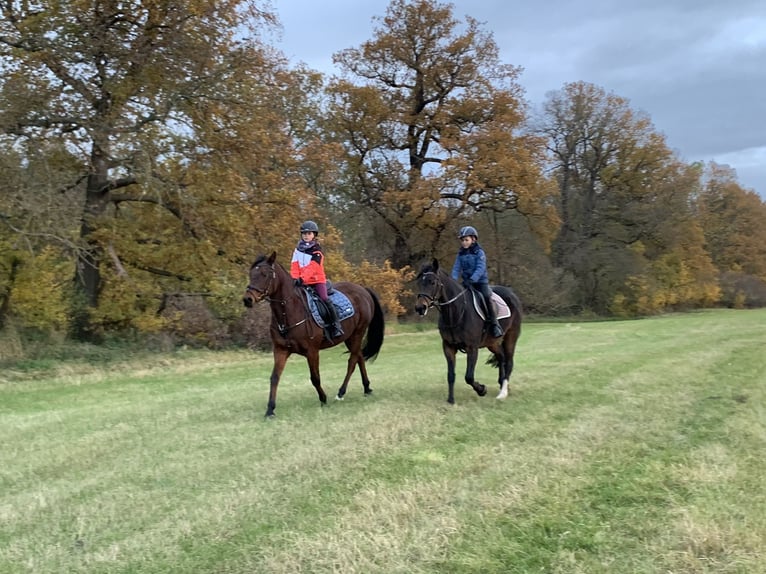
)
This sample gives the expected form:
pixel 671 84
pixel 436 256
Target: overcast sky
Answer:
pixel 696 67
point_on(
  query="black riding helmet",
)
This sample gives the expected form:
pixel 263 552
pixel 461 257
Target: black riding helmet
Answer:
pixel 310 226
pixel 468 231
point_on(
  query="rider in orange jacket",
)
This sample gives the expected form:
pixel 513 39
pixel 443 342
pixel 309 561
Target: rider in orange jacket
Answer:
pixel 307 268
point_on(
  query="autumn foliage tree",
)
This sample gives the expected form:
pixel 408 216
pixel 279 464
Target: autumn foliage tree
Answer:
pixel 172 117
pixel 732 221
pixel 155 148
pixel 430 123
pixel 627 239
pixel 38 232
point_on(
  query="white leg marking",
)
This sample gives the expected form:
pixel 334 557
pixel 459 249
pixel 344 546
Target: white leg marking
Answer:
pixel 503 391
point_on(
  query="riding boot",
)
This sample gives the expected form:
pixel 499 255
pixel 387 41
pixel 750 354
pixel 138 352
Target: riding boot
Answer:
pixel 494 327
pixel 335 329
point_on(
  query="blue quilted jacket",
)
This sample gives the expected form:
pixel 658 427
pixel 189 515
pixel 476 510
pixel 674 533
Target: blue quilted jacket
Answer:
pixel 471 265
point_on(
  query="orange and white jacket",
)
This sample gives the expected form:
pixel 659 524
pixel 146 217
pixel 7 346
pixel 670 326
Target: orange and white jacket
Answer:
pixel 308 263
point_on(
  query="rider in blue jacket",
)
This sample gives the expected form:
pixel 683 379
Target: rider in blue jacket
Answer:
pixel 471 266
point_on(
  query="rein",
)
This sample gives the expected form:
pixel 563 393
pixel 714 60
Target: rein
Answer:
pixel 445 316
pixel 432 301
pixel 284 328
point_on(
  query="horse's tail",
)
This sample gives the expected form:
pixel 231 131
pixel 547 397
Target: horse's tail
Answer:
pixel 512 300
pixel 375 330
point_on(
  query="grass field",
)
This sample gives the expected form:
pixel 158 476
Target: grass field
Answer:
pixel 625 446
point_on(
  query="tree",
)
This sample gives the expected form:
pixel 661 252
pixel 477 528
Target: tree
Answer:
pixel 732 220
pixel 624 202
pixel 430 130
pixel 144 95
pixel 36 228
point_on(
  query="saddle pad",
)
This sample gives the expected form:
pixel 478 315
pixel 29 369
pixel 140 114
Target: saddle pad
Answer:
pixel 342 304
pixel 501 309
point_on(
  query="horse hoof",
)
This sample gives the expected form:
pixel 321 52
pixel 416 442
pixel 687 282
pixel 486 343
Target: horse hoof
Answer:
pixel 367 392
pixel 338 398
pixel 481 390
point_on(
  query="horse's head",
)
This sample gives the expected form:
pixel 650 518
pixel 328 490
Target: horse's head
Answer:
pixel 263 281
pixel 430 287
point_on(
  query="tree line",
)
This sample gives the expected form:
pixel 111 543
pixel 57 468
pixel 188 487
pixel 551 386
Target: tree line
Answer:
pixel 151 150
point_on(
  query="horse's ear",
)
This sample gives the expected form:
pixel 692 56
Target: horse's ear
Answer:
pixel 435 264
pixel 272 257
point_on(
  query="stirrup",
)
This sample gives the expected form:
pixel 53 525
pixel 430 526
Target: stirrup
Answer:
pixel 334 331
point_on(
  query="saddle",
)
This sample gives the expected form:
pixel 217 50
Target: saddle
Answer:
pixel 343 306
pixel 501 308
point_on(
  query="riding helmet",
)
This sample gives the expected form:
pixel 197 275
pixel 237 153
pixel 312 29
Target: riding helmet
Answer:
pixel 309 226
pixel 467 231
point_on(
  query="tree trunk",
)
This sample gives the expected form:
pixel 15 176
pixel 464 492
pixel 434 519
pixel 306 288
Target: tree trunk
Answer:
pixel 88 273
pixel 401 255
pixel 5 295
pixel 565 241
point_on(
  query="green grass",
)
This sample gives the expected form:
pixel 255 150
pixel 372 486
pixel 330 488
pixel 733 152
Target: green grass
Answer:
pixel 625 446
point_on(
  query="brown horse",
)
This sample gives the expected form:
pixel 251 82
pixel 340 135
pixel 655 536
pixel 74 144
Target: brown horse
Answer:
pixel 293 330
pixel 463 329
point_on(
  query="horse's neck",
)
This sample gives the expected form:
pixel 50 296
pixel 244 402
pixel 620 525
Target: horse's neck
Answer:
pixel 451 287
pixel 285 293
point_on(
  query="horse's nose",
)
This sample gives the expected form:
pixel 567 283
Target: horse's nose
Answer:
pixel 420 309
pixel 247 300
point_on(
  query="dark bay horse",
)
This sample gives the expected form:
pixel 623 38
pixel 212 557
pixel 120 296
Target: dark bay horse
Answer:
pixel 462 328
pixel 293 330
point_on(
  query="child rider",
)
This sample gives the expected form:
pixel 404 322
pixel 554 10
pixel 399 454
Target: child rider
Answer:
pixel 307 268
pixel 471 266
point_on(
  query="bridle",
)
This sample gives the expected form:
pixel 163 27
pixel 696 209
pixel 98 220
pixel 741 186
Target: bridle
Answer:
pixel 432 300
pixel 264 294
pixel 282 325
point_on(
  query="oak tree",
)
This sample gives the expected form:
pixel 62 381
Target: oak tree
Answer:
pixel 173 117
pixel 430 121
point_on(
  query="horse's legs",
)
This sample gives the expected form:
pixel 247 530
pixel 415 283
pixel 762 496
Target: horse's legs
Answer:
pixel 353 359
pixel 502 369
pixel 280 358
pixel 354 346
pixel 313 359
pixel 365 378
pixel 505 365
pixel 472 355
pixel 504 374
pixel 449 354
pixel 362 362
